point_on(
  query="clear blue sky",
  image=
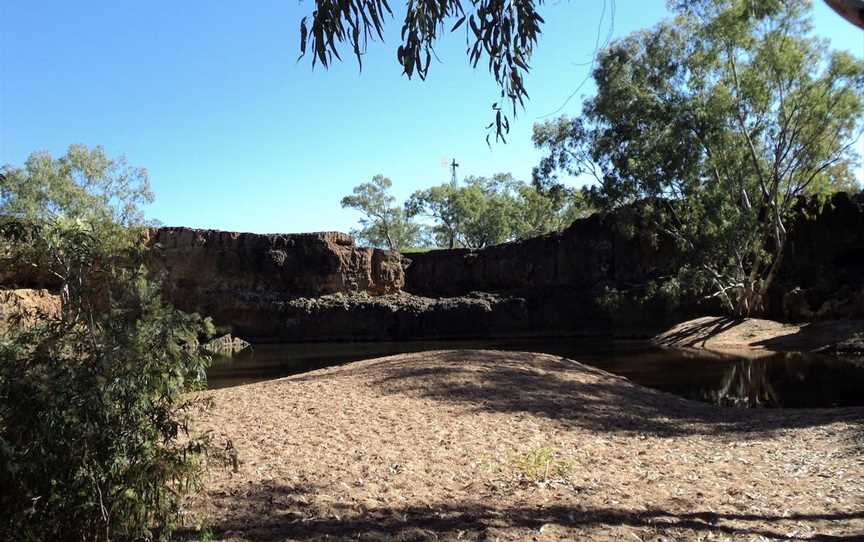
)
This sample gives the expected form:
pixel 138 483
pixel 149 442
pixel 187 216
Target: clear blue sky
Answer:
pixel 236 135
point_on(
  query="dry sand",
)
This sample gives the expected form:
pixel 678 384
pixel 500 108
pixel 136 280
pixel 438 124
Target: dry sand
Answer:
pixel 490 445
pixel 754 337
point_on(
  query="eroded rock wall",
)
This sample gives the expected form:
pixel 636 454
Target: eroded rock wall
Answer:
pixel 822 276
pixel 589 279
pixel 24 307
pixel 598 250
pixel 822 273
pixel 204 269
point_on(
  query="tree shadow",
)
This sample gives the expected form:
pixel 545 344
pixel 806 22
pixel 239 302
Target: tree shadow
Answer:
pixel 697 332
pixel 823 336
pixel 273 513
pixel 572 395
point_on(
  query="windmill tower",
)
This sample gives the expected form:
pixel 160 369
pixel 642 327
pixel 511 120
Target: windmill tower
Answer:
pixel 452 165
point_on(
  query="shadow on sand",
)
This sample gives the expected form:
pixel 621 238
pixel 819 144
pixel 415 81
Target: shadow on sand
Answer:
pixel 575 396
pixel 279 513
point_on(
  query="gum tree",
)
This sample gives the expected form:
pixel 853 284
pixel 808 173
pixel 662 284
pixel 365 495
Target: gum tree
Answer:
pixel 484 211
pixel 383 224
pixel 93 404
pixel 717 124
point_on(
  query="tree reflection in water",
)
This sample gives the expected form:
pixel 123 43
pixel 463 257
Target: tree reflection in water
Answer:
pixel 778 381
pixel 789 380
pixel 746 384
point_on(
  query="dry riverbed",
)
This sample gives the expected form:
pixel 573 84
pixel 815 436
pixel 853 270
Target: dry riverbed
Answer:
pixel 490 445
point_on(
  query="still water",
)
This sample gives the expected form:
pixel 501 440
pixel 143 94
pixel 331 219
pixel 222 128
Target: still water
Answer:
pixel 778 381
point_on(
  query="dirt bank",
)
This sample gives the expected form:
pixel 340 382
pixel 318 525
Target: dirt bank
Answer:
pixel 755 337
pixel 490 445
pixel 25 306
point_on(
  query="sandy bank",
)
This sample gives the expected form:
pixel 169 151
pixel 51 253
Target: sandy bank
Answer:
pixel 486 445
pixel 755 337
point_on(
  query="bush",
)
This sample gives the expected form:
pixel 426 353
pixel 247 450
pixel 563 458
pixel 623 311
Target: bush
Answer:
pixel 92 409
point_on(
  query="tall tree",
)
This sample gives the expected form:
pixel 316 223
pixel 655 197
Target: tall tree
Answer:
pixel 83 183
pixel 93 401
pixel 444 205
pixel 719 121
pixel 487 211
pixel 383 223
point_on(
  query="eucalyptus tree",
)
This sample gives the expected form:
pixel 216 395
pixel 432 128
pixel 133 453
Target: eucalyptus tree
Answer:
pixel 383 224
pixel 720 120
pixel 93 402
pixel 484 211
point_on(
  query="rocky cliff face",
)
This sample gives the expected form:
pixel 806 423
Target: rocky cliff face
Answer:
pixel 23 307
pixel 587 280
pixel 210 271
pixel 598 250
pixel 823 271
pixel 305 287
pixel 822 275
pixel 327 289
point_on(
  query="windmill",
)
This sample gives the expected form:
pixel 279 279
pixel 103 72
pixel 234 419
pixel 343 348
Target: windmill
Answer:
pixel 452 164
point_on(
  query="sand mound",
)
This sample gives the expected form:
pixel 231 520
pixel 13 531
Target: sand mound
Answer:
pixel 754 337
pixel 490 445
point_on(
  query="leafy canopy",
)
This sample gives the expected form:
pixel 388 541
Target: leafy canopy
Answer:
pixel 488 211
pixel 717 123
pixel 92 403
pixel 476 213
pixel 504 32
pixel 383 224
pixel 82 184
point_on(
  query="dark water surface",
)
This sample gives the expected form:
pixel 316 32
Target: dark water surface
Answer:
pixel 778 381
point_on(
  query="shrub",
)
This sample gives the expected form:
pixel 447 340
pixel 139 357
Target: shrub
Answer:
pixel 93 404
pixel 92 409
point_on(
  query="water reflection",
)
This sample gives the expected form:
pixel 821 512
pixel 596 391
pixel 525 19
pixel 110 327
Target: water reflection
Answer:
pixel 746 384
pixel 778 381
pixel 790 381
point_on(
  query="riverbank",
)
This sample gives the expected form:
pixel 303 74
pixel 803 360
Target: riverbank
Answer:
pixel 493 445
pixel 753 337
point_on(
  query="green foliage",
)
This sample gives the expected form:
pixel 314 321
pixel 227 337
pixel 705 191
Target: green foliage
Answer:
pixel 477 213
pixel 716 125
pixel 505 32
pixel 539 466
pixel 92 404
pixel 483 211
pixel 383 224
pixel 83 184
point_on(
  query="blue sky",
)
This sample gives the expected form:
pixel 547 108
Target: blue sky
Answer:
pixel 237 135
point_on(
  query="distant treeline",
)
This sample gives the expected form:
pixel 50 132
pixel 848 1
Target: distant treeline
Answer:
pixel 475 213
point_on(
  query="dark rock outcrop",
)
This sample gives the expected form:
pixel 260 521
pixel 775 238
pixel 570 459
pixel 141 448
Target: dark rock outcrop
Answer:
pixel 322 287
pixel 594 251
pixel 206 270
pixel 822 276
pixel 403 316
pixel 590 279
